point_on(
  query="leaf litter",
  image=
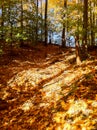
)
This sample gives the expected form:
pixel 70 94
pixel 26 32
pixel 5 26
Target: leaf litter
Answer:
pixel 48 91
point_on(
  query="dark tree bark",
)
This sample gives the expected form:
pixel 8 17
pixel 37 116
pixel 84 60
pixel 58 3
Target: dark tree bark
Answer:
pixel 21 40
pixel 92 22
pixel 64 27
pixel 85 29
pixel 2 21
pixel 41 23
pixel 10 24
pixel 36 22
pixel 46 29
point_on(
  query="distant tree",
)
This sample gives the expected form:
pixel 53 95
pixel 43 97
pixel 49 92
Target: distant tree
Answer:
pixel 22 20
pixel 2 21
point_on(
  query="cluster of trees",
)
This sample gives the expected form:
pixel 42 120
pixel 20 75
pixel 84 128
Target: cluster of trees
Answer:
pixel 78 18
pixel 21 20
pixel 32 20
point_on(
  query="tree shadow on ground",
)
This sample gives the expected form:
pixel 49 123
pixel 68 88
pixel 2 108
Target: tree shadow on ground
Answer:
pixel 29 109
pixel 23 60
pixel 88 88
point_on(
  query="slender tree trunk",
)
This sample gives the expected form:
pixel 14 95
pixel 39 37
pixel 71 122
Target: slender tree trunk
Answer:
pixel 2 23
pixel 64 27
pixel 46 29
pixel 92 22
pixel 95 20
pixel 78 60
pixel 85 28
pixel 41 23
pixel 78 55
pixel 63 37
pixel 36 22
pixel 10 25
pixel 21 40
pixel 94 16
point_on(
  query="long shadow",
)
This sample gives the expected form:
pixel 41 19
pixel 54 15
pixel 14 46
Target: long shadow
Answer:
pixel 89 91
pixel 6 75
pixel 15 99
pixel 84 87
pixel 38 118
pixel 31 55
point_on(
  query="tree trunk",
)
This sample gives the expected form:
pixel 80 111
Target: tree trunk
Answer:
pixel 2 23
pixel 78 60
pixel 10 24
pixel 78 55
pixel 85 28
pixel 41 23
pixel 21 40
pixel 64 27
pixel 46 29
pixel 36 22
pixel 92 21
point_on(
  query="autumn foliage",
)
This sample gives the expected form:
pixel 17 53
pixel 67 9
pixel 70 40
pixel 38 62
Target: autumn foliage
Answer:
pixel 42 88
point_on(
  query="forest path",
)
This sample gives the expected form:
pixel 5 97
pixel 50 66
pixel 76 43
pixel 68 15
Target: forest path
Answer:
pixel 37 92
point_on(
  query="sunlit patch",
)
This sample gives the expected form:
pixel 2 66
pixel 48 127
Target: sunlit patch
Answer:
pixel 70 57
pixel 67 126
pixel 27 105
pixel 77 107
pixel 44 105
pixel 94 104
pixel 59 117
pixel 52 95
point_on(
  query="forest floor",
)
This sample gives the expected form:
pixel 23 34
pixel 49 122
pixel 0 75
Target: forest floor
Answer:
pixel 42 88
